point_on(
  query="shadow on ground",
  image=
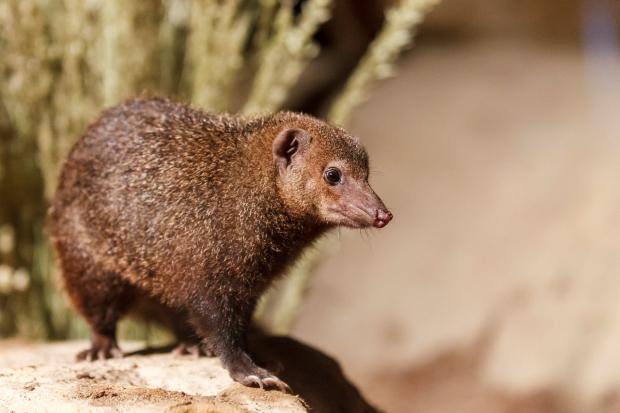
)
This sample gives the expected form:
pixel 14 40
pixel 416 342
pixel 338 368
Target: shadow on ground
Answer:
pixel 312 375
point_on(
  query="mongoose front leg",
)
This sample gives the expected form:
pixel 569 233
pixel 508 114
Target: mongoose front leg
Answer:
pixel 243 369
pixel 223 325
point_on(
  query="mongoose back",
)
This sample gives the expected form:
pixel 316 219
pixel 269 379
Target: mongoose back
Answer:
pixel 189 216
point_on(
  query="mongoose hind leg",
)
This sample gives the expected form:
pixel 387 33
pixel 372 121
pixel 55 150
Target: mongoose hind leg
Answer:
pixel 108 303
pixel 102 311
pixel 102 297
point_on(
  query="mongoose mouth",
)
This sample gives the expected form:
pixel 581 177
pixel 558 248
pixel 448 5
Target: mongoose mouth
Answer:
pixel 382 218
pixel 358 217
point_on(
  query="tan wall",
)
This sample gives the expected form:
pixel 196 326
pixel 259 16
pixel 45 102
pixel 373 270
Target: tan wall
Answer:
pixel 536 19
pixel 497 286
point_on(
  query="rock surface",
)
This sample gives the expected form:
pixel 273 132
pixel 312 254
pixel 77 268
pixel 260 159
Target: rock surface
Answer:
pixel 45 378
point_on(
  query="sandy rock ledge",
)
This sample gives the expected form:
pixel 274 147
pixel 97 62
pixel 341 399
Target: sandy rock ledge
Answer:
pixel 44 378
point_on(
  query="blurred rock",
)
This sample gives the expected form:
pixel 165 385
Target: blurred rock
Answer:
pixel 499 159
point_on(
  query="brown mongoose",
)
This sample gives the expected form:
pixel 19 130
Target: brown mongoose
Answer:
pixel 190 216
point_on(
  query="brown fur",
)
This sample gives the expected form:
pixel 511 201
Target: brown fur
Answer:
pixel 189 216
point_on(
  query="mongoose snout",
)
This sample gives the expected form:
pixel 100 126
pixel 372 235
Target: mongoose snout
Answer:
pixel 357 204
pixel 382 218
pixel 187 217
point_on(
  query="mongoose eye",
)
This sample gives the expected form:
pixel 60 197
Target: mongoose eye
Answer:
pixel 332 176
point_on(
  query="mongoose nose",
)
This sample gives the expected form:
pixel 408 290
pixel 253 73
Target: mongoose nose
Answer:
pixel 382 217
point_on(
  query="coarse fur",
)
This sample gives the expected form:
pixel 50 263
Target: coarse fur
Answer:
pixel 188 217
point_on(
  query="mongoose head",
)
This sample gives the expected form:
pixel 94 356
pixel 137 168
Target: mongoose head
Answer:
pixel 322 173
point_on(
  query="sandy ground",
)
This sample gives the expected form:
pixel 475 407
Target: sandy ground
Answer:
pixel 46 378
pixel 496 286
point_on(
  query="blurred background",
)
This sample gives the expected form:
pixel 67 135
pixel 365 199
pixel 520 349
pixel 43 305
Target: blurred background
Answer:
pixel 495 289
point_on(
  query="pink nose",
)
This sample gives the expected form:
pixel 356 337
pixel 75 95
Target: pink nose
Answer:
pixel 382 217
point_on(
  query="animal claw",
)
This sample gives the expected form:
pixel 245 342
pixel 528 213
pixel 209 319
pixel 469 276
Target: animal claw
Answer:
pixel 255 380
pixel 266 383
pixel 273 381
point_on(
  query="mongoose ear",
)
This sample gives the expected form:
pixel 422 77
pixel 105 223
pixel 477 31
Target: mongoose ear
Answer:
pixel 287 144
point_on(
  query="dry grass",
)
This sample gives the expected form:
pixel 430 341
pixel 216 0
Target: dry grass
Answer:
pixel 64 60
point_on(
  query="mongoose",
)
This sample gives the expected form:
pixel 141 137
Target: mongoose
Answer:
pixel 190 216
